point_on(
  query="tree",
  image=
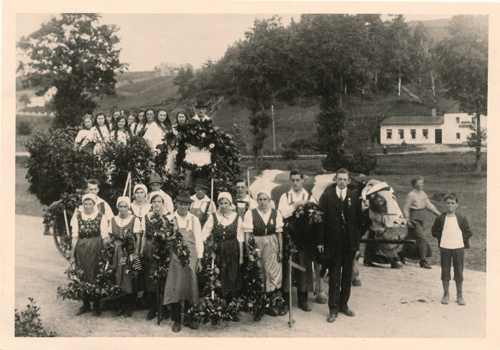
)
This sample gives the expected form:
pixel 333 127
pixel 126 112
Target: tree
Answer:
pixel 464 68
pixel 330 124
pixel 183 81
pixel 25 99
pixel 77 56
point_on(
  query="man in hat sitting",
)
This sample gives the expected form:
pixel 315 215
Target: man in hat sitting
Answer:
pixel 201 108
pixel 202 206
pixel 155 183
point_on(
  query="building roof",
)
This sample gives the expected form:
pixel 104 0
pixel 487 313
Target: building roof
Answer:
pixel 427 120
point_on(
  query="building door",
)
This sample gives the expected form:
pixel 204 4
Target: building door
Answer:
pixel 439 136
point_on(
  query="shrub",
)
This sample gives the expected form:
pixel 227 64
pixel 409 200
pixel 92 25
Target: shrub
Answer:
pixel 29 324
pixel 362 161
pixel 24 128
pixel 289 154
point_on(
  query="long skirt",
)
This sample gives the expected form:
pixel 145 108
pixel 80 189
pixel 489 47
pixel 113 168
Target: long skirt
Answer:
pixel 268 250
pixel 150 263
pixel 182 283
pixel 87 255
pixel 122 262
pixel 415 251
pixel 383 253
pixel 304 281
pixel 228 262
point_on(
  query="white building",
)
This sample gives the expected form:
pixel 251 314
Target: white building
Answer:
pixel 452 128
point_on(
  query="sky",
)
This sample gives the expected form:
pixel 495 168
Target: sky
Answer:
pixel 147 40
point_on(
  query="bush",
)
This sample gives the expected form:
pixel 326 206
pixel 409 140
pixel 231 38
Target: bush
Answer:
pixel 29 324
pixel 24 128
pixel 361 161
pixel 289 154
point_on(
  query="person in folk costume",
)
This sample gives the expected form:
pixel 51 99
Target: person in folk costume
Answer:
pixel 201 206
pixel 101 205
pixel 125 226
pixel 154 133
pixel 122 132
pixel 131 121
pixel 141 123
pixel 155 183
pixel 182 281
pixel 85 135
pixel 111 118
pixel 201 109
pixel 163 120
pixel 147 249
pixel 243 200
pixel 265 224
pixel 88 230
pixel 101 132
pixel 288 203
pixel 181 118
pixel 226 228
pixel 140 206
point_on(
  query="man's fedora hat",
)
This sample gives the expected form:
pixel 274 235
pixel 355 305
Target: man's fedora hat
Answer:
pixel 200 104
pixel 183 197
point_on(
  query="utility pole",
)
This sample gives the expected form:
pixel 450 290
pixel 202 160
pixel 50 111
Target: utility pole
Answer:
pixel 274 134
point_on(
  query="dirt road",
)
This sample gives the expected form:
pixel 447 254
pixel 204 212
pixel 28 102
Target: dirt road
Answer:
pixel 401 303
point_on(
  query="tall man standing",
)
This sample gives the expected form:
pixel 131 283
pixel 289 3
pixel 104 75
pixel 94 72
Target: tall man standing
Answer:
pixel 339 234
pixel 290 201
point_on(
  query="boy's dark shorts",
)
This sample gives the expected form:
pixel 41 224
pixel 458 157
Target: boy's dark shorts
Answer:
pixel 457 256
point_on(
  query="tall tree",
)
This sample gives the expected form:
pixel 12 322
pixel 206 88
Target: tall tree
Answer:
pixel 77 56
pixel 464 67
pixel 183 81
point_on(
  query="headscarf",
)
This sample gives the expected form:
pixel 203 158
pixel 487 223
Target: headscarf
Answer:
pixel 226 195
pixel 122 199
pixel 264 191
pixel 156 193
pixel 89 196
pixel 136 187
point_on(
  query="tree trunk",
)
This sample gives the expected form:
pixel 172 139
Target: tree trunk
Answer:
pixel 399 86
pixel 478 147
pixel 340 90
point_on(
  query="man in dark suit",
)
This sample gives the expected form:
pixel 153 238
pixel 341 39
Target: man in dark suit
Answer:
pixel 343 225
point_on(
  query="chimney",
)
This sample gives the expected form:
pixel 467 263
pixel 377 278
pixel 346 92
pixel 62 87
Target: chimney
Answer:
pixel 433 112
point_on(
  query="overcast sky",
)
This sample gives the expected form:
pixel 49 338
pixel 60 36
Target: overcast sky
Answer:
pixel 147 40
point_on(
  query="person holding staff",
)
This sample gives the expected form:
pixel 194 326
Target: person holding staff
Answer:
pixel 226 228
pixel 417 203
pixel 265 224
pixel 182 282
pixel 89 229
pixel 125 228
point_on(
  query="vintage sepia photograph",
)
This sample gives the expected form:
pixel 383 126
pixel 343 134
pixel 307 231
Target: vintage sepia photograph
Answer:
pixel 289 172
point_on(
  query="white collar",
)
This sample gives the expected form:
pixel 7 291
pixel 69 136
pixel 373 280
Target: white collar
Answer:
pixel 204 199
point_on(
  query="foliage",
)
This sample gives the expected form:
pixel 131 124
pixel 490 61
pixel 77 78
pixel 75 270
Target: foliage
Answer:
pixel 362 161
pixel 330 123
pixel 77 56
pixel 290 154
pixel 24 128
pixel 184 80
pixel 260 122
pixel 29 324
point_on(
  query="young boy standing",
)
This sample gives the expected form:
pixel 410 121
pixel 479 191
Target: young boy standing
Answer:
pixel 452 232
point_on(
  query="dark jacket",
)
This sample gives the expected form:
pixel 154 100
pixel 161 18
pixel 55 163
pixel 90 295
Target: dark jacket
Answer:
pixel 463 224
pixel 330 229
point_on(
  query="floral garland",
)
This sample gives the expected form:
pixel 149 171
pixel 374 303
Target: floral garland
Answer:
pixel 130 261
pixel 165 239
pixel 67 202
pixel 298 227
pixel 104 285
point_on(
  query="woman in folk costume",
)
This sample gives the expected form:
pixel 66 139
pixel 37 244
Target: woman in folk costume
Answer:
pixel 154 133
pixel 85 135
pixel 140 124
pixel 202 206
pixel 182 283
pixel 101 132
pixel 226 228
pixel 126 231
pixel 89 228
pixel 155 184
pixel 131 121
pixel 140 206
pixel 147 249
pixel 122 132
pixel 265 224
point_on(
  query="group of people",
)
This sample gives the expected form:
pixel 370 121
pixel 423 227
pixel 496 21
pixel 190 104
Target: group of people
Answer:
pixel 152 123
pixel 234 221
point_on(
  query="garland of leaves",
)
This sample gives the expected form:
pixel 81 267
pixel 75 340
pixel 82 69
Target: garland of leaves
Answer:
pixel 130 260
pixel 104 286
pixel 298 226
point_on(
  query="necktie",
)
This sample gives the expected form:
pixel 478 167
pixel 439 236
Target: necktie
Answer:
pixel 341 196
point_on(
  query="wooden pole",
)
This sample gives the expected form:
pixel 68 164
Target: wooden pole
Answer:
pixel 66 222
pixel 126 184
pixel 290 320
pixel 274 134
pixel 211 201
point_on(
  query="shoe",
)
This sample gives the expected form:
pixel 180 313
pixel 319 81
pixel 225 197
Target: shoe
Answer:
pixel 176 327
pixel 283 311
pixel 402 258
pixel 460 299
pixel 425 265
pixel 395 265
pixel 151 314
pixel 271 312
pixel 331 318
pixel 82 310
pixel 368 263
pixel 258 316
pixel 96 312
pixel 305 307
pixel 348 312
pixel 119 313
pixel 194 325
pixel 445 299
pixel 356 282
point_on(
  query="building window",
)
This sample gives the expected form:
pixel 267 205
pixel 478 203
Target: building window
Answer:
pixel 389 134
pixel 458 120
pixel 401 133
pixel 413 133
pixel 458 136
pixel 425 132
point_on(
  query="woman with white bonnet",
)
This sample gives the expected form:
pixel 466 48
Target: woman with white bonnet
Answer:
pixel 226 228
pixel 265 224
pixel 140 206
pixel 147 249
pixel 89 228
pixel 125 229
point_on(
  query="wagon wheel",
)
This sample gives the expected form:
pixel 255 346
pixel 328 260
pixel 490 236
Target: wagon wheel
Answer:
pixel 61 238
